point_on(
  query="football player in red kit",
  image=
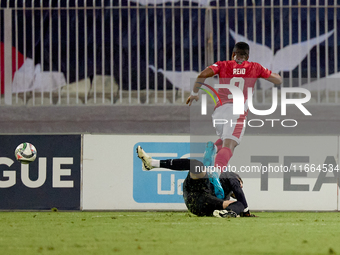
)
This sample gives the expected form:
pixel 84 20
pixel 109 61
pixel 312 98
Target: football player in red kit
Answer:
pixel 242 74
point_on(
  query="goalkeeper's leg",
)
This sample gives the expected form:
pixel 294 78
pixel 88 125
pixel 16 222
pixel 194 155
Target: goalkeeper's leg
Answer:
pixel 196 168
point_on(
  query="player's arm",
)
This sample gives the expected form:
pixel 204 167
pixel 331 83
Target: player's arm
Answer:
pixel 226 203
pixel 206 73
pixel 275 78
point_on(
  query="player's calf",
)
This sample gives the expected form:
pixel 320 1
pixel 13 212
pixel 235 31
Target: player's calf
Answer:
pixel 194 166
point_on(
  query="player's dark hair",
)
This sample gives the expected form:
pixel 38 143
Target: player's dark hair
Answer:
pixel 241 46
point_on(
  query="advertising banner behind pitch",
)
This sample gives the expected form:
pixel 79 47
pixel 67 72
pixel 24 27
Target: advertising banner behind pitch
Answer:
pixel 289 173
pixel 113 178
pixel 52 180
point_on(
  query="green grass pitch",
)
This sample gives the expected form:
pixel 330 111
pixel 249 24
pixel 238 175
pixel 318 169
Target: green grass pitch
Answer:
pixel 168 233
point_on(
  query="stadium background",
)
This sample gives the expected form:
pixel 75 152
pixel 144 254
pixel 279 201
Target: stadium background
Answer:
pixel 132 71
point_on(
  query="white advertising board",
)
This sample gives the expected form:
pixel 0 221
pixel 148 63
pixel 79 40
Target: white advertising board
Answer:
pixel 313 188
pixel 113 178
pixel 108 174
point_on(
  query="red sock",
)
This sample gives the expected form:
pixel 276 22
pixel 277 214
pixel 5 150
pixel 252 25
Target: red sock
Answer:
pixel 218 144
pixel 223 157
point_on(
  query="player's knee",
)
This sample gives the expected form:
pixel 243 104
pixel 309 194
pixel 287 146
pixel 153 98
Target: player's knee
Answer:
pixel 237 207
pixel 229 143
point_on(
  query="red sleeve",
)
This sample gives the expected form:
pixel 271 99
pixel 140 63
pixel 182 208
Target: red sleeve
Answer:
pixel 263 72
pixel 216 67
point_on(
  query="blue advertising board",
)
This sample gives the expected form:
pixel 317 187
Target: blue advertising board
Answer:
pixel 52 180
pixel 162 185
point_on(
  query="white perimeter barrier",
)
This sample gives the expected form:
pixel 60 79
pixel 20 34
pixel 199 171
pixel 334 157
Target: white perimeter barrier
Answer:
pixel 113 178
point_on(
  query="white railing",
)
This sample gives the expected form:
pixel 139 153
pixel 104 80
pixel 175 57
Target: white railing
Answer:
pixel 126 52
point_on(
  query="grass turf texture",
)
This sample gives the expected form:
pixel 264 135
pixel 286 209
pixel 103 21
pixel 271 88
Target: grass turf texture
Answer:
pixel 168 233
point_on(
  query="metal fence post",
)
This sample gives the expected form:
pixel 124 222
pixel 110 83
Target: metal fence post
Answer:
pixel 8 55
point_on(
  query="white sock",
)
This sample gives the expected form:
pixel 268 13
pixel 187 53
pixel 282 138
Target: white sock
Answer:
pixel 155 162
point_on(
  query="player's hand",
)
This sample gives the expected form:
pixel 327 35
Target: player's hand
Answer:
pixel 191 98
pixel 226 203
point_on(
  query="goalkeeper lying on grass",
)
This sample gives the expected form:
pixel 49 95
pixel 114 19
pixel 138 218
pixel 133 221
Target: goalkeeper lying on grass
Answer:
pixel 202 195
